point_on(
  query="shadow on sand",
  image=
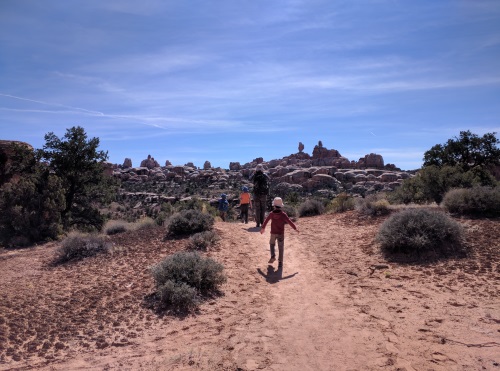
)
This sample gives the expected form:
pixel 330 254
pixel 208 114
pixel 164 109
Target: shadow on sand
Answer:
pixel 274 276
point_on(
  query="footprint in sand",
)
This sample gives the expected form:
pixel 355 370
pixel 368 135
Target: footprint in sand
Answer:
pixel 441 358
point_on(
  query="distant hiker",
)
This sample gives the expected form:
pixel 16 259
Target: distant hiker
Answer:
pixel 260 191
pixel 223 206
pixel 245 203
pixel 278 220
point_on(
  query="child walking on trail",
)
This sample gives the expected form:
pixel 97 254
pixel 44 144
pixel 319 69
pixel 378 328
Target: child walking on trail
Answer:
pixel 245 202
pixel 223 206
pixel 278 220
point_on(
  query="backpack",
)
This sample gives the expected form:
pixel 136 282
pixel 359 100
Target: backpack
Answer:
pixel 260 184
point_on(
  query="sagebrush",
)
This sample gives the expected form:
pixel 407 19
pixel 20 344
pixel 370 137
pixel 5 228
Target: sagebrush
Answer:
pixel 184 277
pixel 115 227
pixel 203 240
pixel 373 205
pixel 77 246
pixel 416 231
pixel 343 202
pixel 188 222
pixel 311 207
pixel 483 201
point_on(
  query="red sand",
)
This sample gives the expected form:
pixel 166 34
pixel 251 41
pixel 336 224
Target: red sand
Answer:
pixel 329 309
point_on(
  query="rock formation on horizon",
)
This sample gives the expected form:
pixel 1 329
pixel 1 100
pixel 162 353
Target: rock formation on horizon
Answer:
pixel 127 163
pixel 150 163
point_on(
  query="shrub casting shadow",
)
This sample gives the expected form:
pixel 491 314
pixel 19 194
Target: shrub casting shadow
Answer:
pixel 450 252
pixel 153 303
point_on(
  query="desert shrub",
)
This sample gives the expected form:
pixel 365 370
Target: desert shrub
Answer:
pixel 311 207
pixel 177 296
pixel 189 222
pixel 292 198
pixel 473 201
pixel 193 203
pixel 161 218
pixel 291 211
pixel 432 182
pixel 203 240
pixel 372 205
pixel 77 246
pixel 416 231
pixel 341 203
pixel 144 223
pixel 183 277
pixel 115 227
pixel 410 191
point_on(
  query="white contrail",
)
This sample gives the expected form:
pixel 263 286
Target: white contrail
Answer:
pixel 53 104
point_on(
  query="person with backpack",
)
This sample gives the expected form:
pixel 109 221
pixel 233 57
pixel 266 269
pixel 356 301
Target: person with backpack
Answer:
pixel 260 191
pixel 278 220
pixel 223 206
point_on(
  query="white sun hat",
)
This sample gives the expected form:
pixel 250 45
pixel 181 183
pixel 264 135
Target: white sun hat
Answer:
pixel 278 202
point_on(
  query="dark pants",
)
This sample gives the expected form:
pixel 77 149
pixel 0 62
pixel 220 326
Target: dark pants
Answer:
pixel 260 204
pixel 244 212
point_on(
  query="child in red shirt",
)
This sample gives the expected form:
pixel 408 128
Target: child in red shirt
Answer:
pixel 278 220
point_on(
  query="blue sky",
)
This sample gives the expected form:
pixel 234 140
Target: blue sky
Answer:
pixel 232 80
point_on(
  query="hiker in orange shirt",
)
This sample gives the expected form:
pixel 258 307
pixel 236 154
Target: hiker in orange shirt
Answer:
pixel 245 203
pixel 278 220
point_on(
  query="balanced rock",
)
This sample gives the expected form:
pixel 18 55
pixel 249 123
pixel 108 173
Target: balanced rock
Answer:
pixel 150 163
pixel 127 163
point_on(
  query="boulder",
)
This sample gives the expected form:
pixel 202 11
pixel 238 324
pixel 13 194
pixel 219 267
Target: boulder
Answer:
pixel 150 163
pixel 389 177
pixel 371 160
pixel 127 163
pixel 234 166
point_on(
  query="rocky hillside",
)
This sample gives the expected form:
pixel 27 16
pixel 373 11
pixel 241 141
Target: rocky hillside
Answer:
pixel 325 171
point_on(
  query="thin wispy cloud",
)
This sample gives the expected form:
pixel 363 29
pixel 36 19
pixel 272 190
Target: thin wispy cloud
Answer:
pixel 86 111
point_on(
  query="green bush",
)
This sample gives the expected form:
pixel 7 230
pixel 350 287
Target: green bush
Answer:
pixel 311 207
pixel 432 182
pixel 31 205
pixel 179 276
pixel 193 203
pixel 416 231
pixel 473 201
pixel 203 240
pixel 373 205
pixel 77 246
pixel 189 222
pixel 341 203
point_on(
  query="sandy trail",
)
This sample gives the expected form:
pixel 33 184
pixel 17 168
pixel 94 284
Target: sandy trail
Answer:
pixel 326 310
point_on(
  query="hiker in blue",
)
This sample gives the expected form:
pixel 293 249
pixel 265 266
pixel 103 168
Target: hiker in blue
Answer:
pixel 260 191
pixel 223 206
